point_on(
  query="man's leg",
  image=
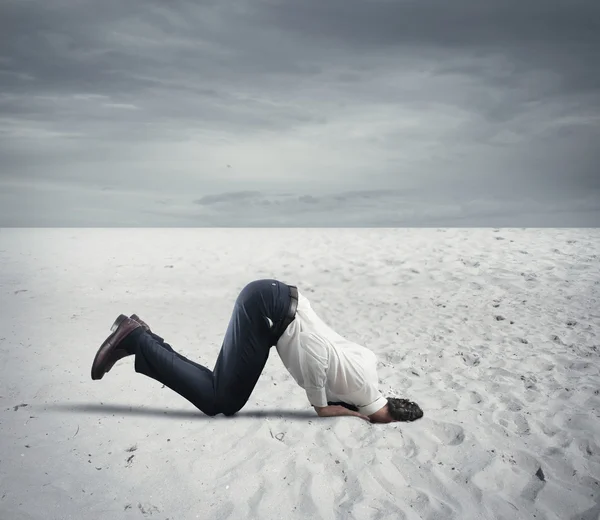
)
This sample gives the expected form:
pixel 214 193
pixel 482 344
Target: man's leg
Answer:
pixel 159 361
pixel 248 342
pixel 243 355
pixel 165 345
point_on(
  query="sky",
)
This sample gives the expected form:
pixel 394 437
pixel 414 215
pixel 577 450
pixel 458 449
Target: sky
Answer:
pixel 299 113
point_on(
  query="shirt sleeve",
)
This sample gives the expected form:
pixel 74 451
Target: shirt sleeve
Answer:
pixel 368 399
pixel 374 406
pixel 314 360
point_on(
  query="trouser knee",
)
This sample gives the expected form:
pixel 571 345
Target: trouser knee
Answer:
pixel 207 409
pixel 228 408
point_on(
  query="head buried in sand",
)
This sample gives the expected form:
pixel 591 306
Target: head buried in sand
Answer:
pixel 397 410
pixel 403 409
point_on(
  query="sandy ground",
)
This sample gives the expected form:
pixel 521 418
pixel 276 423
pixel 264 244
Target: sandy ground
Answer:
pixel 494 332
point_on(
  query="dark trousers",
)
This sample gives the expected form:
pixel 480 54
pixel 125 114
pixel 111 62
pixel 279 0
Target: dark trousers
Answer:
pixel 244 353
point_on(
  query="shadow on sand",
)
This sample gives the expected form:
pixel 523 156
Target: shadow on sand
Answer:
pixel 104 409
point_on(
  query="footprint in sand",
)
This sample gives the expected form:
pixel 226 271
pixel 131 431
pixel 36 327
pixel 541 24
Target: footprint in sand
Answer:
pixel 514 423
pixel 529 277
pixel 511 404
pixel 448 434
pixel 534 486
pixel 147 509
pixel 588 448
pixel 529 465
pixel 580 366
pixel 529 382
pixel 476 398
pixel 410 449
pixel 387 473
pixel 255 500
pixel 469 359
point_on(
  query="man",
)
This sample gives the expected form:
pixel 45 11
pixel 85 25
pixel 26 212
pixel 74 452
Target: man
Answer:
pixel 339 377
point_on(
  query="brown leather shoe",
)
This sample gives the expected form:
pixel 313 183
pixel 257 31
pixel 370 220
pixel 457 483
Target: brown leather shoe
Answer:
pixel 109 352
pixel 134 317
pixel 140 321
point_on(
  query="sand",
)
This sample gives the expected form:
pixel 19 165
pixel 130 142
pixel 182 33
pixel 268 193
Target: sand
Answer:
pixel 495 333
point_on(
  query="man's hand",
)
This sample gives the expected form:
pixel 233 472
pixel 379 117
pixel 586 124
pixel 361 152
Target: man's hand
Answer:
pixel 338 411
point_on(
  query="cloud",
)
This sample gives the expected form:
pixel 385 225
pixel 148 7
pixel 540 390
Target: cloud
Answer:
pixel 235 197
pixel 100 207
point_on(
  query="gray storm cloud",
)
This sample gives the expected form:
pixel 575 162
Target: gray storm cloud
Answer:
pixel 440 110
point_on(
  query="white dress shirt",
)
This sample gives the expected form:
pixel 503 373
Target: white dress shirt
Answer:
pixel 326 365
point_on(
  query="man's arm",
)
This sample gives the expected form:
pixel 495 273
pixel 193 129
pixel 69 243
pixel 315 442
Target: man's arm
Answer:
pixel 338 411
pixel 314 361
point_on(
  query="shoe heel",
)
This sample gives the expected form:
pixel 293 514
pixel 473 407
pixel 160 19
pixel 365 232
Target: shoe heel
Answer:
pixel 118 322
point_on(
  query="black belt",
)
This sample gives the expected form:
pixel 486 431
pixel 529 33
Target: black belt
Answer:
pixel 291 312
